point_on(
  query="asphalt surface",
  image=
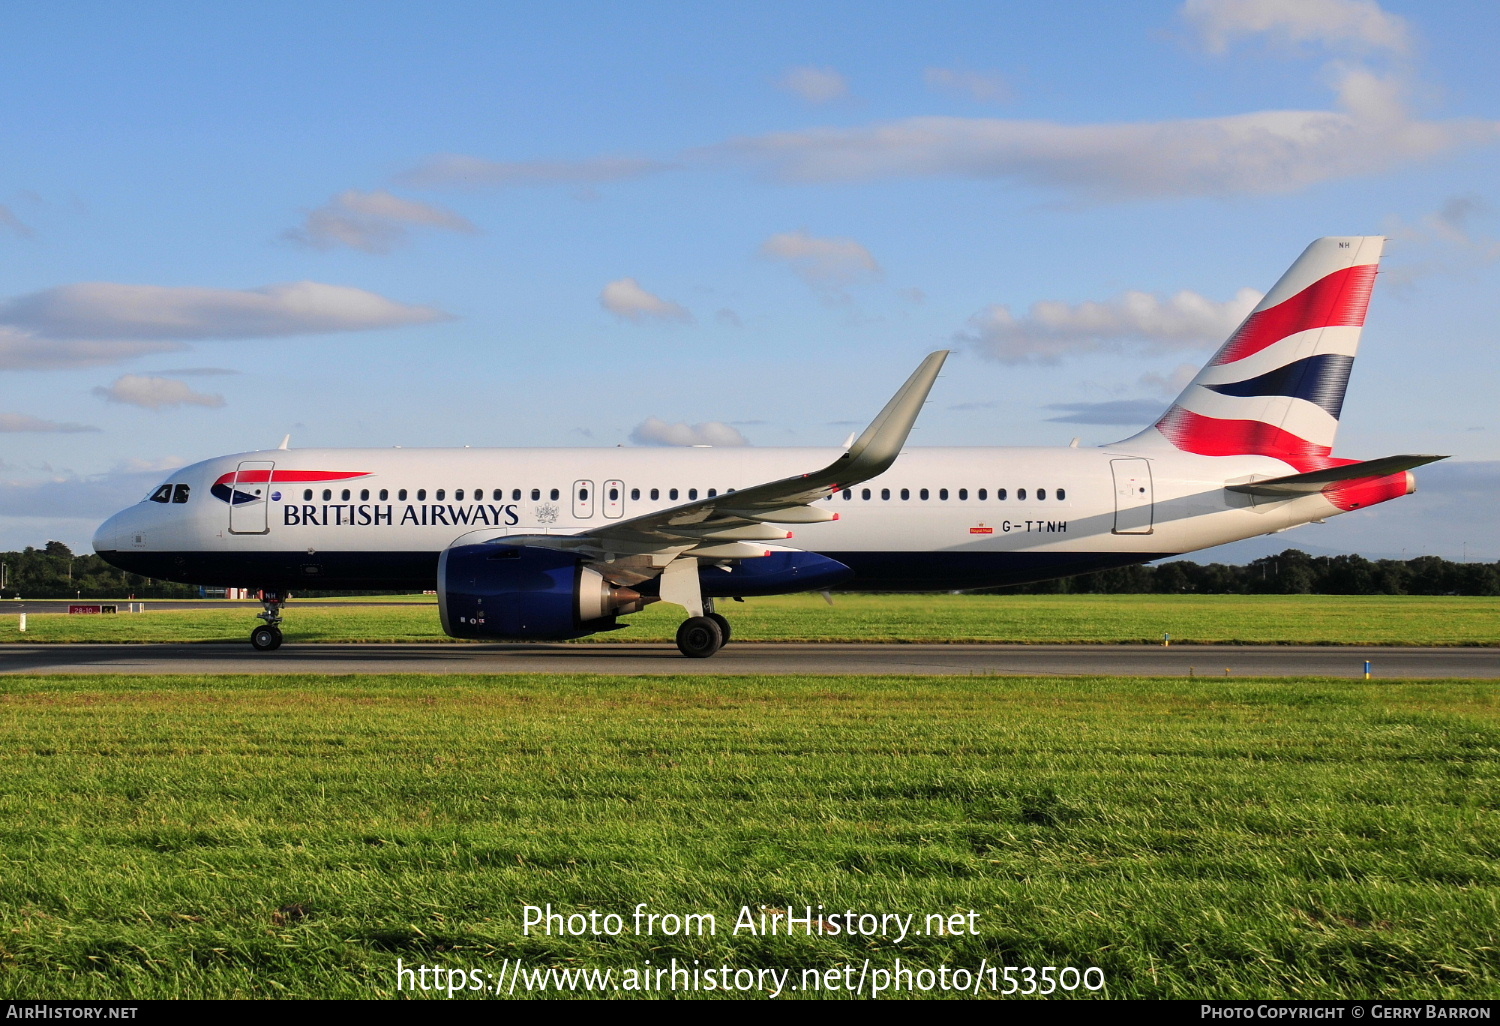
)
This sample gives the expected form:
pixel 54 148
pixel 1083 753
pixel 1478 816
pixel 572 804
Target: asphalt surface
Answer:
pixel 764 659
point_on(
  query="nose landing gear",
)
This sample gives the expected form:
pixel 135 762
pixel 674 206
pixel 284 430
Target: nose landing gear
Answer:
pixel 267 637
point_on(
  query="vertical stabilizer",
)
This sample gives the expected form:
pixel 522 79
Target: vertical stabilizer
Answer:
pixel 1276 388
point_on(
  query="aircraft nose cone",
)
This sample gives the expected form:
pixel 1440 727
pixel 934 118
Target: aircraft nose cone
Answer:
pixel 110 535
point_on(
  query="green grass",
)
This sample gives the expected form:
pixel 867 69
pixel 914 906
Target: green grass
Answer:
pixel 1039 619
pixel 244 836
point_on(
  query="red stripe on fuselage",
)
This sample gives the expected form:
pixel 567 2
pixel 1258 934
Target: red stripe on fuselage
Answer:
pixel 1337 300
pixel 289 476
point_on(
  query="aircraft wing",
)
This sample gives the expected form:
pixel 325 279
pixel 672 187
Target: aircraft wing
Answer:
pixel 728 526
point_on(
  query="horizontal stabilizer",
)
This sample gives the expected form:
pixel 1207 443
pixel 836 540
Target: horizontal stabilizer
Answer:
pixel 1317 480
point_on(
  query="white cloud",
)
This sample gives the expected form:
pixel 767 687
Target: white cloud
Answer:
pixel 1051 330
pixel 986 88
pixel 156 393
pixel 625 298
pixel 8 219
pixel 1128 412
pixel 24 422
pixel 1342 24
pixel 24 350
pixel 1263 152
pixel 815 85
pixel 456 170
pixel 654 431
pixel 108 311
pixel 1445 242
pixel 198 372
pixel 1169 385
pixel 66 497
pixel 373 222
pixel 822 263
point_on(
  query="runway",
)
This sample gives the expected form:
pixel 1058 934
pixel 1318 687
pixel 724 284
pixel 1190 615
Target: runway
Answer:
pixel 1218 661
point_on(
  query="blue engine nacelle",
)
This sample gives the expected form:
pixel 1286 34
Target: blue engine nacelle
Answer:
pixel 525 592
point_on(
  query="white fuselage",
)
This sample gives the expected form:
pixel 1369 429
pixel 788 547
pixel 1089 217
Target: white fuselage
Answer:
pixel 939 518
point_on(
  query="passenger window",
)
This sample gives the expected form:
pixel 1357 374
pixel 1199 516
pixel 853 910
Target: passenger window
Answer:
pixel 865 495
pixel 1021 494
pixel 672 494
pixel 943 494
pixel 614 495
pixel 655 493
pixel 1041 493
pixel 583 495
pixel 401 495
pixel 963 493
pixel 421 494
pixel 346 495
pixel 905 494
pixel 364 495
pixel 1061 495
pixel 180 494
pixel 692 493
pixel 441 492
pixel 385 493
pixel 712 492
pixel 1000 494
pixel 923 494
pixel 162 494
pixel 554 495
pixel 983 494
pixel 885 493
pixel 635 493
pixel 536 494
pixel 327 494
pixel 848 495
pixel 307 495
pixel 515 495
pixel 458 495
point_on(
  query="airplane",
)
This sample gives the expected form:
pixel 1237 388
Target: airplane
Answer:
pixel 553 544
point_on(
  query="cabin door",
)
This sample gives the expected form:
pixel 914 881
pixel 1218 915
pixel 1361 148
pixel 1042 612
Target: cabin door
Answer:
pixel 1133 496
pixel 250 498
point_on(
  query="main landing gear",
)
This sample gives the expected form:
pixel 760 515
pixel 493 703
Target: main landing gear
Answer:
pixel 267 637
pixel 701 636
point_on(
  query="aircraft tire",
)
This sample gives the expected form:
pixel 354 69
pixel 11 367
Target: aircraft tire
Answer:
pixel 724 628
pixel 699 637
pixel 265 639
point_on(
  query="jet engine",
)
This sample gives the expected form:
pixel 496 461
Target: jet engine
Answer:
pixel 527 593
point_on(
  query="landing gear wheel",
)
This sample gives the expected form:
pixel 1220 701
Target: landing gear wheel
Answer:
pixel 265 638
pixel 723 626
pixel 699 637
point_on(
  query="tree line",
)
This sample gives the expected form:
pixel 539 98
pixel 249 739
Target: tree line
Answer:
pixel 1292 572
pixel 53 571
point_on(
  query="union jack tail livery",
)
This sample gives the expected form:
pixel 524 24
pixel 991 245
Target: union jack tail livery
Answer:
pixel 1277 386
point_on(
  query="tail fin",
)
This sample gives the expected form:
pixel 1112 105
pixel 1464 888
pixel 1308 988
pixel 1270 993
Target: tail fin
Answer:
pixel 1277 386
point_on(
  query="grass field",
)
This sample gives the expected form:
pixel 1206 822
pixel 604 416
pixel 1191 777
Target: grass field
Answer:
pixel 1041 619
pixel 245 836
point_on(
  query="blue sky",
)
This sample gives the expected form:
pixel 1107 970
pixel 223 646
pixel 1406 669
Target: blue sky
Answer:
pixel 600 224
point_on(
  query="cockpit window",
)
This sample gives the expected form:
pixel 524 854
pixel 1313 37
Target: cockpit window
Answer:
pixel 162 494
pixel 180 493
